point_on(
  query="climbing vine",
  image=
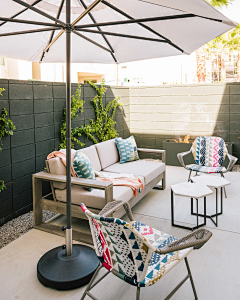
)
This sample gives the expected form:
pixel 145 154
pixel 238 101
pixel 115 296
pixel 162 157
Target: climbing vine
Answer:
pixel 103 128
pixel 6 128
pixel 76 107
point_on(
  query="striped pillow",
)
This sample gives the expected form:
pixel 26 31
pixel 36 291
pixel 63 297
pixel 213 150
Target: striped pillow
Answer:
pixel 127 149
pixel 83 167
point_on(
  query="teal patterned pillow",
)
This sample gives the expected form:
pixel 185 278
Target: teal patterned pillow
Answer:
pixel 127 149
pixel 83 167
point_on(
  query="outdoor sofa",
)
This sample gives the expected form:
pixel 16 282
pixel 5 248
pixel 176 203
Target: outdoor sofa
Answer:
pixel 103 157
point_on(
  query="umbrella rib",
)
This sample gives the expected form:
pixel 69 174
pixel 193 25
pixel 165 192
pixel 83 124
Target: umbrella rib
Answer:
pixel 136 21
pixel 52 34
pixel 99 29
pixel 143 25
pixel 28 31
pixel 91 41
pixel 86 12
pixel 29 22
pixel 20 12
pixel 39 12
pixel 123 35
pixel 56 38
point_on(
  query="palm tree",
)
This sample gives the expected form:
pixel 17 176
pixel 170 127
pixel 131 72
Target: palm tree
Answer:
pixel 234 44
pixel 229 41
pixel 201 52
pixel 219 45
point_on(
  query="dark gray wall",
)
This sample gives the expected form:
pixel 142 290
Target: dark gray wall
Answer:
pixel 36 108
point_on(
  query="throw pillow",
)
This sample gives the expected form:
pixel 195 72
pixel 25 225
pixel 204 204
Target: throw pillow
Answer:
pixel 127 149
pixel 83 167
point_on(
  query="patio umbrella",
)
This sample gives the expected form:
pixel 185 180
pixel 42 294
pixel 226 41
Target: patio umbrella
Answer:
pixel 100 31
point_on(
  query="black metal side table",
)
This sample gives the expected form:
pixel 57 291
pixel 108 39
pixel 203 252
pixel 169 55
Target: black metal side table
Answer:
pixel 216 182
pixel 191 190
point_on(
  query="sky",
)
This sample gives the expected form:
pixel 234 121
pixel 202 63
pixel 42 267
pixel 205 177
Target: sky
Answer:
pixel 232 11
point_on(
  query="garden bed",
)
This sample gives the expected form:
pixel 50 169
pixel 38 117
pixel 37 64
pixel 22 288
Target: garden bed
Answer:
pixel 17 227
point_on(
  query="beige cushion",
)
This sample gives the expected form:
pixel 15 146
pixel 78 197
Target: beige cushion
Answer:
pixel 95 198
pixel 92 155
pixel 58 168
pixel 73 152
pixel 148 169
pixel 108 153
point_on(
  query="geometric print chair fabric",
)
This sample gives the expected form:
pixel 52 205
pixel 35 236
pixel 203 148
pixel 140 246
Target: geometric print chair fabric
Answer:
pixel 127 249
pixel 209 153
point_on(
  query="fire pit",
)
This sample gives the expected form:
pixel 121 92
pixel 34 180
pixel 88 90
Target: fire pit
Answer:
pixel 183 141
pixel 175 146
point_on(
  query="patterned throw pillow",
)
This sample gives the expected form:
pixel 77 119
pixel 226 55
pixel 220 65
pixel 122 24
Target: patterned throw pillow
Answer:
pixel 83 167
pixel 127 149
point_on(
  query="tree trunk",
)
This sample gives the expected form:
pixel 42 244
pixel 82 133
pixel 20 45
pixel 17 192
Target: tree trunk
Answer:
pixel 201 64
pixel 223 68
pixel 238 66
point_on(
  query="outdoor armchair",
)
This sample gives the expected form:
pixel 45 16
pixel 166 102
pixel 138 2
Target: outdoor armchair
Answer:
pixel 137 253
pixel 209 153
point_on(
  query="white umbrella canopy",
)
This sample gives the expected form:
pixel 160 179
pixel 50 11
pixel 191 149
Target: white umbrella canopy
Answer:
pixel 185 26
pixel 100 31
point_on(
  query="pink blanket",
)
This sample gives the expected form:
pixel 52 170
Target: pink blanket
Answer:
pixel 63 158
pixel 133 183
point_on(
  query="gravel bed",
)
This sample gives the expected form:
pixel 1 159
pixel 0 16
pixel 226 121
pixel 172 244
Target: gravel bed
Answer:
pixel 18 226
pixel 236 168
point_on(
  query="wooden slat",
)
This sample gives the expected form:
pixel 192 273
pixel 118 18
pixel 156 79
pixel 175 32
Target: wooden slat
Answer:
pixel 37 196
pixel 156 151
pixel 61 208
pixel 102 185
pixel 77 235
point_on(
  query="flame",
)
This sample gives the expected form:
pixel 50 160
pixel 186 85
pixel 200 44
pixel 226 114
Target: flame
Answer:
pixel 185 141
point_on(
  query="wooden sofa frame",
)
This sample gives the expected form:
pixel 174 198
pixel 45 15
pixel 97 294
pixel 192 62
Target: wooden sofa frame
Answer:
pixel 41 202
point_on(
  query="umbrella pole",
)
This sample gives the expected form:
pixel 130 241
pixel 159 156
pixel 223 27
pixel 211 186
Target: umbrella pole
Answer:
pixel 68 128
pixel 69 266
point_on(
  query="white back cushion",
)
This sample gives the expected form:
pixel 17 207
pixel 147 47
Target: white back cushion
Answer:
pixel 92 155
pixel 108 153
pixel 58 168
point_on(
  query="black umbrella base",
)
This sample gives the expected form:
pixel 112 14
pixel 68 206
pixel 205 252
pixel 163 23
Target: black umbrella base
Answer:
pixel 61 272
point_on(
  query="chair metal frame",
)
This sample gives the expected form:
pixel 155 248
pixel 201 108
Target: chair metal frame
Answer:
pixel 232 161
pixel 196 240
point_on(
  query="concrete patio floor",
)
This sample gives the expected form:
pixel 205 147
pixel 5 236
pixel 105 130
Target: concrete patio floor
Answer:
pixel 215 267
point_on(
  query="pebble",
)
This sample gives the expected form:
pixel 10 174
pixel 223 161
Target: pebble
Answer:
pixel 19 226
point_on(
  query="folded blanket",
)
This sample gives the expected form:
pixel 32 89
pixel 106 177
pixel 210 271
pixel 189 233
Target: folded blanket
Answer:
pixel 134 183
pixel 63 158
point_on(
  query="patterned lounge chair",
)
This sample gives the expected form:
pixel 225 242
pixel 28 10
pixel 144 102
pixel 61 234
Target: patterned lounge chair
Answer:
pixel 137 253
pixel 209 153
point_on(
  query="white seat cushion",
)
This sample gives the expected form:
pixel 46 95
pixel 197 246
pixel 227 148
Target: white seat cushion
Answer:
pixel 147 169
pixel 95 198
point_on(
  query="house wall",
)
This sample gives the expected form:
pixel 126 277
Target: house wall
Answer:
pixel 36 109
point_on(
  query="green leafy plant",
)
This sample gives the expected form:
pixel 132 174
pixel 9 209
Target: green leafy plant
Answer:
pixel 76 107
pixel 103 128
pixel 6 128
pixel 2 185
